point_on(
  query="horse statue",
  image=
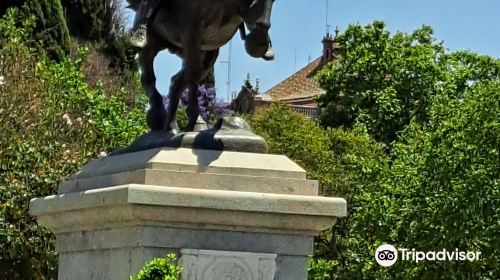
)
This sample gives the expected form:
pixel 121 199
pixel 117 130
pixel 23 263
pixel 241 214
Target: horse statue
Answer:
pixel 195 30
pixel 244 102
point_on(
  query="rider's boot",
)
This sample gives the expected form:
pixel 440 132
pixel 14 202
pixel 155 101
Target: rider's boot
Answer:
pixel 139 36
pixel 139 30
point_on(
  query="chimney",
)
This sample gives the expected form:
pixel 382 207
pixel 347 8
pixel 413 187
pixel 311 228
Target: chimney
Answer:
pixel 327 48
pixel 330 47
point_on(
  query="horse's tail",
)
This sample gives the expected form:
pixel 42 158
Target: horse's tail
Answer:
pixel 133 4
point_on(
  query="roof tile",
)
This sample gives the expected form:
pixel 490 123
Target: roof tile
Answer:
pixel 300 84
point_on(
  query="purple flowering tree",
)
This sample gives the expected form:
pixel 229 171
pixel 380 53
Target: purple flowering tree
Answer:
pixel 211 108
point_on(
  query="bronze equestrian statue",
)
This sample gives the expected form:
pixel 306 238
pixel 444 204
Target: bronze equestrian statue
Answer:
pixel 195 30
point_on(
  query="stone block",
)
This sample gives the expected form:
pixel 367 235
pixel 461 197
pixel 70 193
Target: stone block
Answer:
pixel 217 265
pixel 233 214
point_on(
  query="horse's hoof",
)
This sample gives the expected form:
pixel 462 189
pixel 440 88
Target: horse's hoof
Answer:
pixel 189 128
pixel 155 123
pixel 172 127
pixel 269 55
pixel 200 124
pixel 256 46
pixel 156 119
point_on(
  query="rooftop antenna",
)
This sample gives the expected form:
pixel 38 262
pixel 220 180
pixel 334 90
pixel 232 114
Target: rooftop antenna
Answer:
pixel 229 65
pixel 295 61
pixel 327 25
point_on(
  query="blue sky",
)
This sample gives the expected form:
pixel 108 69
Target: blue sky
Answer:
pixel 299 25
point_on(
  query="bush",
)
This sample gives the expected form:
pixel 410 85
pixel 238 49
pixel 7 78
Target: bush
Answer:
pixel 437 189
pixel 293 135
pixel 448 178
pixel 159 269
pixel 319 269
pixel 51 122
pixel 441 191
pixel 346 163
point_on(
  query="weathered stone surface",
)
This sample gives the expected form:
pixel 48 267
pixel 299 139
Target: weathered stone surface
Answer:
pixel 217 265
pixel 119 212
pixel 153 236
pixel 192 208
pixel 188 160
pixel 200 169
pixel 196 180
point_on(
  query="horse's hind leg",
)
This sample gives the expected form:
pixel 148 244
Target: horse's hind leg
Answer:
pixel 195 74
pixel 208 60
pixel 156 114
pixel 177 85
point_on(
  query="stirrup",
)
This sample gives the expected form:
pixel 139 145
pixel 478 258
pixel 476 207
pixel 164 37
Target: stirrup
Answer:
pixel 139 37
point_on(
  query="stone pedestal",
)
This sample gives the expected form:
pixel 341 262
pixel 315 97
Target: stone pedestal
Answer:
pixel 225 214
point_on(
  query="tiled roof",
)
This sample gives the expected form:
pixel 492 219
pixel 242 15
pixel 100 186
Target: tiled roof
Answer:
pixel 300 84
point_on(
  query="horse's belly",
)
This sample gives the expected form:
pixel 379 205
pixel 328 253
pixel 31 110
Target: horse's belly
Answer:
pixel 215 32
pixel 215 37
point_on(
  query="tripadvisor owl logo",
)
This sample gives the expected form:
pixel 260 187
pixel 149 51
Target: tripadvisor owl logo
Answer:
pixel 386 255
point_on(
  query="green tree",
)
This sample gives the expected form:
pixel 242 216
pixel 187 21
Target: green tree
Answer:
pixel 101 22
pixel 448 175
pixel 94 20
pixel 438 188
pixel 441 192
pixel 384 81
pixel 49 32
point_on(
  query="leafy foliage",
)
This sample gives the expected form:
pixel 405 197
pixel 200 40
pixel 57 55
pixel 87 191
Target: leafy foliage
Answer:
pixel 104 26
pixel 291 134
pixel 438 188
pixel 318 269
pixel 102 17
pixel 449 178
pixel 442 191
pixel 346 163
pixel 385 82
pixel 51 123
pixel 96 21
pixel 324 154
pixel 160 269
pixel 49 32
